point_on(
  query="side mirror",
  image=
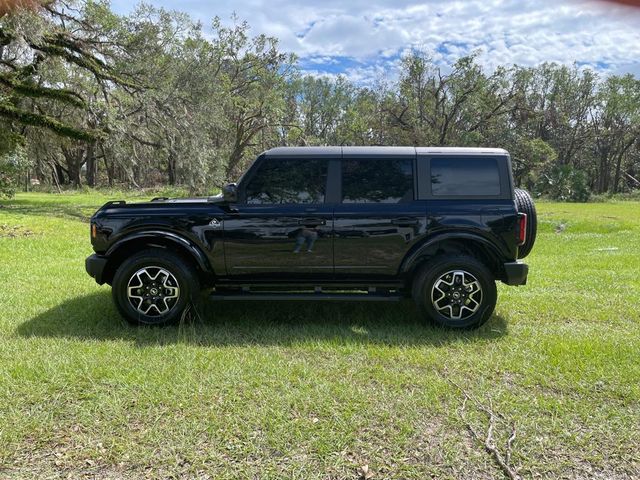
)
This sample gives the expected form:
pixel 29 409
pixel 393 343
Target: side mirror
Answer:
pixel 230 193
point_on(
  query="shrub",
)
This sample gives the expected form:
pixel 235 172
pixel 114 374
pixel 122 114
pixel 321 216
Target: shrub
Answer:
pixel 564 183
pixel 13 163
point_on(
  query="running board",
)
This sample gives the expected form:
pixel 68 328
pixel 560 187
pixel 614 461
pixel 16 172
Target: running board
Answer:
pixel 326 297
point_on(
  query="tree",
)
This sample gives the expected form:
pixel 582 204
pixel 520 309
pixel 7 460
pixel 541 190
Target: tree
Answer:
pixel 434 108
pixel 54 65
pixel 34 46
pixel 253 74
pixel 148 99
pixel 616 126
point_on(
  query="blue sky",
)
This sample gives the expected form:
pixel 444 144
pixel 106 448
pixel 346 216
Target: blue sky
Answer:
pixel 364 39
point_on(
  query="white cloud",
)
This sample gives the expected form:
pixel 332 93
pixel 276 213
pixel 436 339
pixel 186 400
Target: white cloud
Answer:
pixel 526 32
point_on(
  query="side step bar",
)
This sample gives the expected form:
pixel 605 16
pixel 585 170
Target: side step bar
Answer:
pixel 327 297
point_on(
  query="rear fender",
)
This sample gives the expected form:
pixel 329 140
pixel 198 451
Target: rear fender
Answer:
pixel 451 242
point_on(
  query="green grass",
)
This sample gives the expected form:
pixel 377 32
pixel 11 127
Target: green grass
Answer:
pixel 317 391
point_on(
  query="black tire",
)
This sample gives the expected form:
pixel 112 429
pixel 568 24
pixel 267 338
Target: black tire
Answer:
pixel 153 265
pixel 525 204
pixel 437 270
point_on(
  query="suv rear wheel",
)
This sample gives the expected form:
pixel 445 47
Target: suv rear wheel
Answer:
pixel 154 287
pixel 455 291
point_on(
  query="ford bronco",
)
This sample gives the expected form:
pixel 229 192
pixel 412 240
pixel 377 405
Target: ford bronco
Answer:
pixel 440 225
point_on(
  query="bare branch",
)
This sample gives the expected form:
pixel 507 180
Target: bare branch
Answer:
pixel 487 440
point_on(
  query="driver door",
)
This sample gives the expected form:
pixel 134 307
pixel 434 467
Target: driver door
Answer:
pixel 282 226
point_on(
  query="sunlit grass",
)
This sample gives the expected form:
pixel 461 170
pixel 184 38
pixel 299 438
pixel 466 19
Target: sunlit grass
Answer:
pixel 316 391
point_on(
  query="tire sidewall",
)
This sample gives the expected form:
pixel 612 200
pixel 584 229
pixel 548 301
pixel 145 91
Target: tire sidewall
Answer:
pixel 431 273
pixel 525 204
pixel 172 264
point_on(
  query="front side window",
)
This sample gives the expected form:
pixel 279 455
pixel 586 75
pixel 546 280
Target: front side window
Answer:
pixel 281 181
pixel 465 177
pixel 377 180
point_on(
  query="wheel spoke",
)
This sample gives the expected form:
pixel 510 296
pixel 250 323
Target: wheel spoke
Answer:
pixel 153 291
pixel 456 294
pixel 171 292
pixel 474 301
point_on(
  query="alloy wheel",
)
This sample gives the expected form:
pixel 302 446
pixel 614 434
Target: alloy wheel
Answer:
pixel 456 295
pixel 153 291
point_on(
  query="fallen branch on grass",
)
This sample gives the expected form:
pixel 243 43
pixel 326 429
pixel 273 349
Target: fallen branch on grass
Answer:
pixel 488 441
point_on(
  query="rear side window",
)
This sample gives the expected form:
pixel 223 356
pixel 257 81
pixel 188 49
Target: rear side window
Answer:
pixel 377 180
pixel 281 181
pixel 465 176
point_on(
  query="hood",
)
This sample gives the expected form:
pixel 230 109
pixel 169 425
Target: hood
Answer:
pixel 159 205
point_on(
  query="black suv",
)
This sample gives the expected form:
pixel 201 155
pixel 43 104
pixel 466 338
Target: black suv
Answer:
pixel 327 223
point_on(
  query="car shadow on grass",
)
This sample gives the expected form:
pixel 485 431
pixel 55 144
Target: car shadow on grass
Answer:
pixel 94 317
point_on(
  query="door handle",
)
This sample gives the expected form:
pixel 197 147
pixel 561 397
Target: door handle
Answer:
pixel 312 222
pixel 405 222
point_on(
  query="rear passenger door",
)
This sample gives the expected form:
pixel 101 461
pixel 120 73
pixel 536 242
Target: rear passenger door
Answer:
pixel 378 218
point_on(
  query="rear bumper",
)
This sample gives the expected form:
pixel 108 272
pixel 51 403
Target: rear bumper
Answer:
pixel 516 273
pixel 95 265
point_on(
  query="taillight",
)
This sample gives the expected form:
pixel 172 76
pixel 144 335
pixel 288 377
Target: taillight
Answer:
pixel 521 234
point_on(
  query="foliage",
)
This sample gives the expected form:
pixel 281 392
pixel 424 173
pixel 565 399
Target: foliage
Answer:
pixel 147 99
pixel 530 157
pixel 13 163
pixel 564 183
pixel 34 46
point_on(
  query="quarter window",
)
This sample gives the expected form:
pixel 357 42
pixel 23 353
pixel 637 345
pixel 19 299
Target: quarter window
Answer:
pixel 465 177
pixel 280 181
pixel 377 180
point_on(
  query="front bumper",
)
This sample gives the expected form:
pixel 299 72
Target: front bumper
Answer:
pixel 516 273
pixel 95 265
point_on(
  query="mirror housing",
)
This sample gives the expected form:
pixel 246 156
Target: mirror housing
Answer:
pixel 230 193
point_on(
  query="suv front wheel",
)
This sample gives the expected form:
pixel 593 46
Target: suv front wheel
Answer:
pixel 455 291
pixel 154 287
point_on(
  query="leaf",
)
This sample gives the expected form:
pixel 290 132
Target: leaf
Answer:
pixel 364 473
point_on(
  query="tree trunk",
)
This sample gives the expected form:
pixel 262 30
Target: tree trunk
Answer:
pixel 234 160
pixel 603 178
pixel 171 167
pixel 74 173
pixel 54 174
pixel 108 168
pixel 75 159
pixel 59 174
pixel 92 165
pixel 616 180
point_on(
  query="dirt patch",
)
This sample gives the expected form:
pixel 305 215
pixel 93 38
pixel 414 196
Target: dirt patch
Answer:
pixel 14 231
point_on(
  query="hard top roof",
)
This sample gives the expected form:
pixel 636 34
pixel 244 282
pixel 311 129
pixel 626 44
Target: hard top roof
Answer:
pixel 380 151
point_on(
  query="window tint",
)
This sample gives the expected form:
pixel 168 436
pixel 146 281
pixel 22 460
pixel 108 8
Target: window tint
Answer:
pixel 288 181
pixel 465 176
pixel 377 180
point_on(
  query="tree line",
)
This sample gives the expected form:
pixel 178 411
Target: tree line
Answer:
pixel 89 97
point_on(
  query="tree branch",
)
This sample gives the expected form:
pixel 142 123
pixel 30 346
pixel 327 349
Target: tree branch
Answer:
pixel 487 441
pixel 39 120
pixel 30 90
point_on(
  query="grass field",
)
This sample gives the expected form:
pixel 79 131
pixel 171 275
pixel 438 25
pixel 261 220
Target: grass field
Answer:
pixel 320 391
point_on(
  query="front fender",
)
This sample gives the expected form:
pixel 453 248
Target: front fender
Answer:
pixel 169 237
